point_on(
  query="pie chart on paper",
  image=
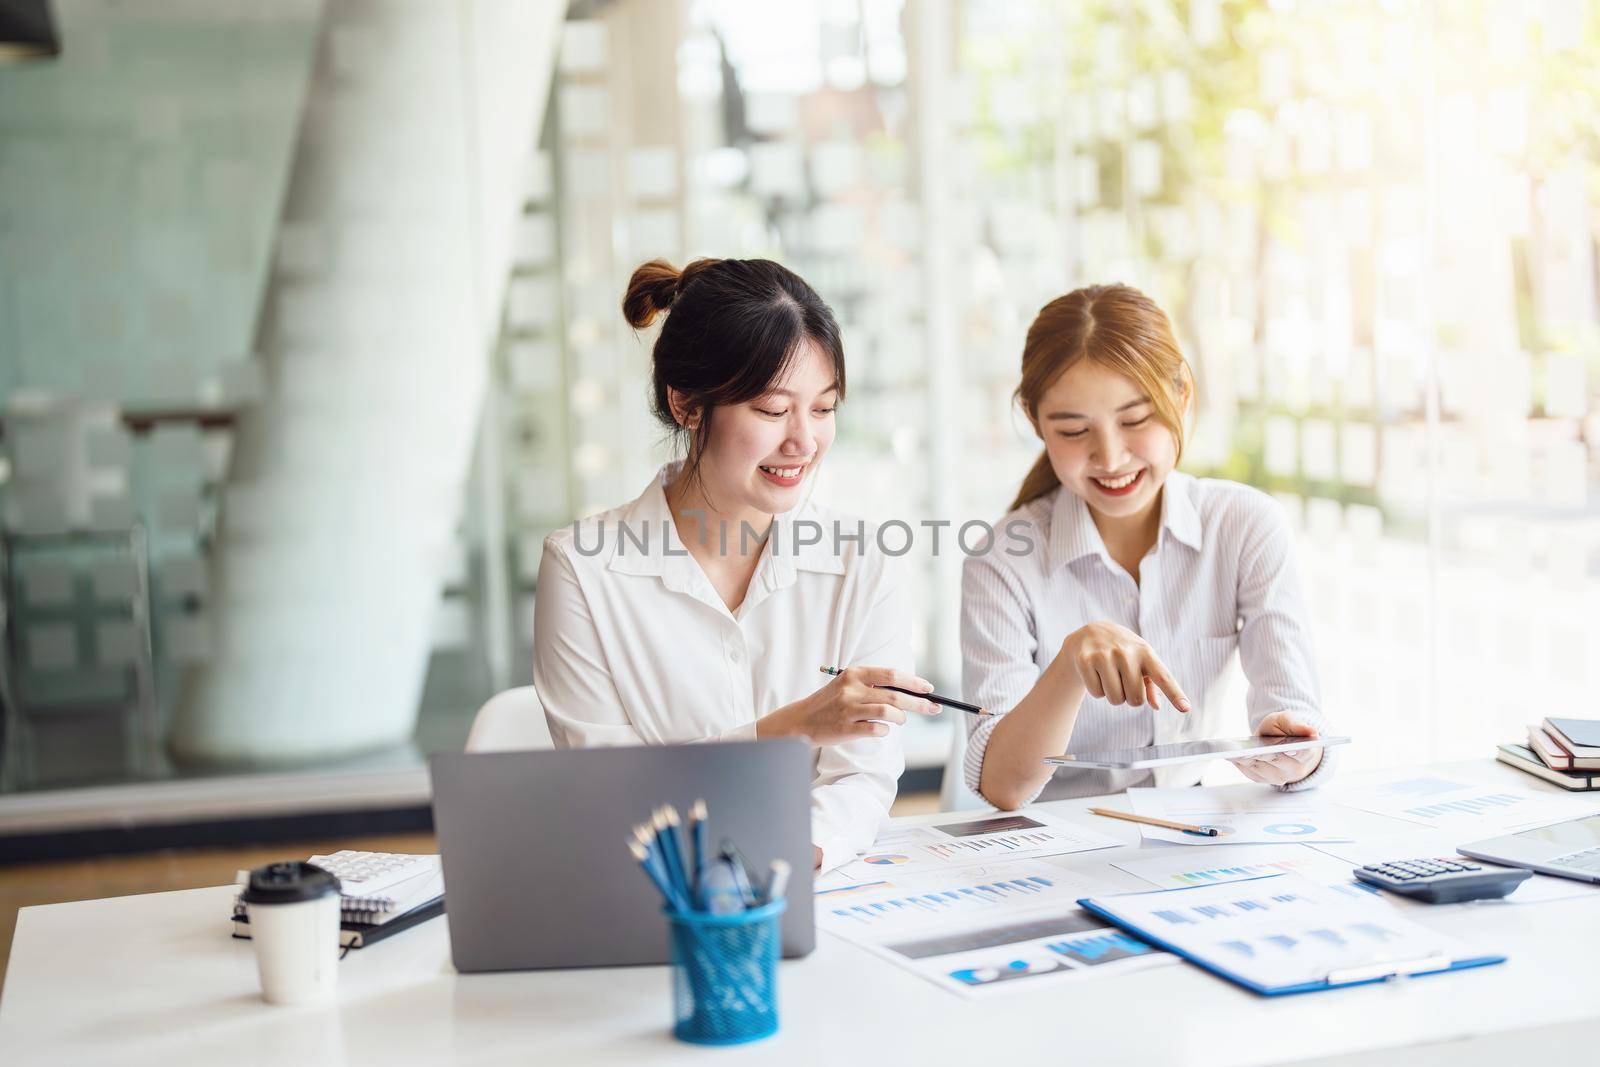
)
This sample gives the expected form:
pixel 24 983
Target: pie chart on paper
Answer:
pixel 1289 829
pixel 886 859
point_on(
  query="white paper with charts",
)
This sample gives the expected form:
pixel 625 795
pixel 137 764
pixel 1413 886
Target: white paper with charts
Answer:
pixel 946 845
pixel 1247 814
pixel 1284 930
pixel 1464 806
pixel 983 929
pixel 1179 868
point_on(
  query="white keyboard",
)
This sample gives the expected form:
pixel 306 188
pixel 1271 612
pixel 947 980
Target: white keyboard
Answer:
pixel 1587 860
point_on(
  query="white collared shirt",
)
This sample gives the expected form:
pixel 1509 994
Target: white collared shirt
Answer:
pixel 632 645
pixel 1221 579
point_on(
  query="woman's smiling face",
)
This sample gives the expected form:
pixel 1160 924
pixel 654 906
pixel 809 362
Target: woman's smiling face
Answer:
pixel 1104 440
pixel 759 453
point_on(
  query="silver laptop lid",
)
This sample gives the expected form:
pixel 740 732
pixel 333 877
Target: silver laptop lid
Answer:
pixel 534 845
pixel 1568 849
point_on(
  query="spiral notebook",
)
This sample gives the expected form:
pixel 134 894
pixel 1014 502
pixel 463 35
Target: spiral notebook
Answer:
pixel 382 894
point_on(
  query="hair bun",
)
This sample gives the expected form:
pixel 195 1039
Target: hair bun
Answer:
pixel 651 291
pixel 654 286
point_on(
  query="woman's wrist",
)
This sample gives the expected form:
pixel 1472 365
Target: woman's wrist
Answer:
pixel 779 723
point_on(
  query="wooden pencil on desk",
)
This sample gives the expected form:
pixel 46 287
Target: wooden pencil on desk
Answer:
pixel 932 698
pixel 1151 820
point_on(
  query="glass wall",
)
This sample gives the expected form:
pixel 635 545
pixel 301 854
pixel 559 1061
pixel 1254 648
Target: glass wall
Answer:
pixel 299 365
pixel 1372 224
pixel 251 262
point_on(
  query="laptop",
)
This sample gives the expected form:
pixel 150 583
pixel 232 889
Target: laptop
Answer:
pixel 1569 849
pixel 537 870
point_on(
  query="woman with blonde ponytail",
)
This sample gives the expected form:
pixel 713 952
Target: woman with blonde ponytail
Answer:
pixel 1142 580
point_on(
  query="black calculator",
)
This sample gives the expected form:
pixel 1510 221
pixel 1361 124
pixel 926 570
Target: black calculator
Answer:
pixel 1445 880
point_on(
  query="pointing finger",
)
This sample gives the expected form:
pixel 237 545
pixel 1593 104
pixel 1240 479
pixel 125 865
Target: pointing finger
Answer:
pixel 1168 684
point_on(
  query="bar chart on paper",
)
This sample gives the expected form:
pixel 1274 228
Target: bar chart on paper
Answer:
pixel 994 928
pixel 1432 800
pixel 1096 949
pixel 949 901
pixel 971 847
pixel 887 907
pixel 947 845
pixel 1168 871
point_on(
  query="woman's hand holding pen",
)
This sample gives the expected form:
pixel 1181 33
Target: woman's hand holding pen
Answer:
pixel 1117 665
pixel 850 706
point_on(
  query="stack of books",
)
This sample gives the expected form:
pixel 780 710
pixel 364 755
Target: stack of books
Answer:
pixel 1563 751
pixel 381 894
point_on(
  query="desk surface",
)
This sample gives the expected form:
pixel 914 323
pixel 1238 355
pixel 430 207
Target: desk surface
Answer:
pixel 155 979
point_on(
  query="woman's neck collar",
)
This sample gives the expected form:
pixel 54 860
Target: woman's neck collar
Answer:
pixel 698 520
pixel 1130 536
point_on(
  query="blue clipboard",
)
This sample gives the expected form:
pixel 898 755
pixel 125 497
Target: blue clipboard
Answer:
pixel 1349 976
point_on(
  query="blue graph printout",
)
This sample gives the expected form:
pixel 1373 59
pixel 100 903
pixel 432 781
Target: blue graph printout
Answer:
pixel 982 930
pixel 1463 806
pixel 1282 930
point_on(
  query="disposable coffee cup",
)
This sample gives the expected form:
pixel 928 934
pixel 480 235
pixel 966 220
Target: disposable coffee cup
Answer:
pixel 294 925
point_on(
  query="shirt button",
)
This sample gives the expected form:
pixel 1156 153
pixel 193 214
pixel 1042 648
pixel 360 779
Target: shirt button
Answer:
pixel 733 654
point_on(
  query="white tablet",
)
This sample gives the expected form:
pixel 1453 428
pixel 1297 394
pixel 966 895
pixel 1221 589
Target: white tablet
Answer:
pixel 1133 759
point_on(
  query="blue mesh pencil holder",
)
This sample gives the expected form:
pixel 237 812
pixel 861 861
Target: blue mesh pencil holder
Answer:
pixel 725 974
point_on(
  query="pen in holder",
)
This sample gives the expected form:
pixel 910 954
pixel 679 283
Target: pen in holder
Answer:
pixel 725 937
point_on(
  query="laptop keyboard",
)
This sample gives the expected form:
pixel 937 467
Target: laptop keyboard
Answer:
pixel 1587 860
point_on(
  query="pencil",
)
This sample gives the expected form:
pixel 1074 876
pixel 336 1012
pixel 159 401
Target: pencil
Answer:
pixel 667 826
pixel 647 861
pixel 933 698
pixel 1150 820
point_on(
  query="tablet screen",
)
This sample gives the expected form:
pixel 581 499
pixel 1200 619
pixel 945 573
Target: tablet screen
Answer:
pixel 1190 751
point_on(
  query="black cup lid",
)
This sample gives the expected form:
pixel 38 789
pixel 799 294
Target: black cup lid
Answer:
pixel 288 883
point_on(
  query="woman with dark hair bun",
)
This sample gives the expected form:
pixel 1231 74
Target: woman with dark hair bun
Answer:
pixel 702 610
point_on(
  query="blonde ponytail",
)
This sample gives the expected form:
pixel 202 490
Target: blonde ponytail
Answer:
pixel 1040 480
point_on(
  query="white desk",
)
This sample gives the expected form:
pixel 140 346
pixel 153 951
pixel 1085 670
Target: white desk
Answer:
pixel 156 980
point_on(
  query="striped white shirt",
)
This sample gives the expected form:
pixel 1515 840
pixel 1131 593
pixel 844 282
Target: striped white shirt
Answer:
pixel 1220 580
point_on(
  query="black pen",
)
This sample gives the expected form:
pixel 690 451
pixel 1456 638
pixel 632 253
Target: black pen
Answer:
pixel 741 871
pixel 932 698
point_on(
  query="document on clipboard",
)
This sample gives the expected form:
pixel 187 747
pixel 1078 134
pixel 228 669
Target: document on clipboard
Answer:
pixel 1286 933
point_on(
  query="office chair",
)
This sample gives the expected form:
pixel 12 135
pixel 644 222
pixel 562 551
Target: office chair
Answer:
pixel 510 721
